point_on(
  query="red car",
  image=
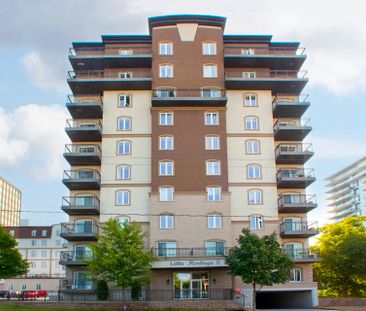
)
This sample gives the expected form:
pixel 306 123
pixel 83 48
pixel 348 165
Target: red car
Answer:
pixel 42 293
pixel 27 294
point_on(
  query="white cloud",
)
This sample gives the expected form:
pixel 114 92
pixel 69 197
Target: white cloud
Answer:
pixel 32 138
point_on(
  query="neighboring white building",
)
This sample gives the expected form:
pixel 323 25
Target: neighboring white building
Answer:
pixel 41 246
pixel 347 191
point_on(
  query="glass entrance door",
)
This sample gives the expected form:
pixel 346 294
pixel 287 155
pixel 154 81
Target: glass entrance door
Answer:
pixel 191 285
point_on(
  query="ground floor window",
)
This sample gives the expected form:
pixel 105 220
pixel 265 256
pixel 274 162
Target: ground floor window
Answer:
pixel 191 285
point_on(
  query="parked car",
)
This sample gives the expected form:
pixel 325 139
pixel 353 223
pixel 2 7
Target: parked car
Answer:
pixel 27 294
pixel 42 293
pixel 4 294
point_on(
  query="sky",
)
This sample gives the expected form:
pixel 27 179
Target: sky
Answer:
pixel 36 35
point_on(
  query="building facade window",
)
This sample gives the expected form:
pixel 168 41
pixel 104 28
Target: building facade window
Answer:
pixel 211 118
pixel 213 168
pixel 252 147
pixel 44 233
pixel 214 221
pixel 249 74
pixel 254 171
pixel 166 118
pixel 251 123
pixel 167 249
pixel 34 233
pixel 210 71
pixel 38 286
pixel 123 197
pixel 124 100
pixel 123 172
pixel 213 194
pixel 124 124
pixel 123 220
pixel 166 142
pixel 166 71
pixel 255 196
pixel 296 275
pixel 33 253
pixel 126 75
pixel 125 52
pixel 166 168
pixel 44 243
pixel 165 93
pixel 44 265
pixel 166 221
pixel 210 92
pixel 209 48
pixel 165 48
pixel 212 143
pixel 214 248
pixel 166 194
pixel 250 100
pixel 124 147
pixel 247 51
pixel 256 222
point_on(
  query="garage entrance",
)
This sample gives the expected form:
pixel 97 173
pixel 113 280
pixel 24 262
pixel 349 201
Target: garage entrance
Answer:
pixel 284 299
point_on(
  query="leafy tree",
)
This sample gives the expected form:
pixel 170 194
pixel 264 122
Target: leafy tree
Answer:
pixel 342 249
pixel 11 262
pixel 259 261
pixel 120 255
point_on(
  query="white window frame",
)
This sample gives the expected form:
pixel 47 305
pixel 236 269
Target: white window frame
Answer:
pixel 212 142
pixel 123 172
pixel 252 123
pixel 165 117
pixel 248 51
pixel 125 75
pixel 214 221
pixel 126 124
pixel 166 194
pixel 255 197
pixel 295 272
pixel 209 48
pixel 210 71
pixel 166 142
pixel 249 74
pixel 34 233
pixel 213 194
pixel 170 249
pixel 166 221
pixel 166 48
pixel 124 100
pixel 212 118
pixel 250 100
pixel 166 71
pixel 254 171
pixel 252 147
pixel 124 150
pixel 256 222
pixel 166 168
pixel 123 198
pixel 213 168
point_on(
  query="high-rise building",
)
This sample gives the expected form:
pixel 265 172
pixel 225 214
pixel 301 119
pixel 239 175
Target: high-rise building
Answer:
pixel 345 191
pixel 195 135
pixel 10 204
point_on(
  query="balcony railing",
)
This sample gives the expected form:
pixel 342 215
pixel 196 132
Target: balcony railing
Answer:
pixel 298 228
pixel 190 252
pixel 82 175
pixel 290 105
pixel 75 257
pixel 297 199
pixel 76 149
pixel 302 255
pixel 292 124
pixel 77 285
pixel 86 231
pixel 87 99
pixel 296 173
pixel 263 51
pixel 81 205
pixel 86 124
pixel 293 153
pixel 85 106
pixel 119 75
pixel 189 93
pixel 128 51
pixel 265 74
pixel 291 130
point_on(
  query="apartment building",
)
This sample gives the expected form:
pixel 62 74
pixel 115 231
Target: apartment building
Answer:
pixel 41 246
pixel 195 135
pixel 347 191
pixel 10 204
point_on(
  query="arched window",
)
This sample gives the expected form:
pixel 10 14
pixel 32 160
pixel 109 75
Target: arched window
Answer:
pixel 124 100
pixel 254 171
pixel 165 48
pixel 166 142
pixel 124 147
pixel 210 71
pixel 252 146
pixel 214 221
pixel 255 196
pixel 123 197
pixel 166 168
pixel 123 171
pixel 166 193
pixel 213 193
pixel 251 123
pixel 166 71
pixel 212 142
pixel 250 100
pixel 124 124
pixel 209 48
pixel 166 221
pixel 256 222
pixel 213 167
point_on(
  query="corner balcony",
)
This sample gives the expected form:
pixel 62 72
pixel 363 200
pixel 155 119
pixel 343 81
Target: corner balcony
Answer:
pixel 82 155
pixel 278 81
pixel 291 130
pixel 267 56
pixel 81 205
pixel 295 153
pixel 74 258
pixel 84 130
pixel 92 58
pixel 77 286
pixel 298 229
pixel 85 106
pixel 98 81
pixel 81 180
pixel 296 203
pixel 84 231
pixel 290 106
pixel 302 255
pixel 295 177
pixel 214 97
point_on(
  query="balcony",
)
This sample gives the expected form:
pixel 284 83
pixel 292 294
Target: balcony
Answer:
pixel 81 205
pixel 97 81
pixel 278 81
pixel 302 255
pixel 83 155
pixel 295 177
pixel 291 130
pixel 298 229
pixel 82 180
pixel 214 97
pixel 77 286
pixel 75 258
pixel 85 106
pixel 83 231
pixel 296 153
pixel 296 203
pixel 270 57
pixel 84 130
pixel 92 58
pixel 287 106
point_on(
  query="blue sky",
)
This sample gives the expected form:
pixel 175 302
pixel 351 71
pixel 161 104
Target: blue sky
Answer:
pixel 36 35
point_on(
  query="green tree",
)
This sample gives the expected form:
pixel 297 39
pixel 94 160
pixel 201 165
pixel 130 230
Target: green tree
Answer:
pixel 342 249
pixel 120 255
pixel 259 261
pixel 11 262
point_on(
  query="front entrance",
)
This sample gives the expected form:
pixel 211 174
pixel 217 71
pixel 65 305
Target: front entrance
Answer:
pixel 191 285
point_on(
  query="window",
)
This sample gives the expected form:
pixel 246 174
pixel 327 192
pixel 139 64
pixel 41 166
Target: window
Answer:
pixel 213 194
pixel 44 233
pixel 209 71
pixel 166 193
pixel 165 93
pixel 124 124
pixel 166 221
pixel 250 100
pixel 10 287
pixel 251 123
pixel 166 168
pixel 33 264
pixel 44 253
pixel 248 51
pixel 214 221
pixel 23 287
pixel 166 143
pixel 166 118
pixel 211 93
pixel 254 196
pixel 209 48
pixel 58 242
pixel 166 71
pixel 214 248
pixel 211 118
pixel 38 286
pixel 44 264
pixel 212 142
pixel 252 147
pixel 166 48
pixel 125 52
pixel 123 220
pixel 122 197
pixel 295 275
pixel 34 242
pixel 253 171
pixel 124 147
pixel 124 100
pixel 213 168
pixel 167 249
pixel 34 233
pixel 82 280
pixel 249 74
pixel 126 75
pixel 44 243
pixel 256 222
pixel 123 172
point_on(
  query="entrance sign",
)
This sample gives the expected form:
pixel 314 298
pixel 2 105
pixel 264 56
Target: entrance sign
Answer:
pixel 189 263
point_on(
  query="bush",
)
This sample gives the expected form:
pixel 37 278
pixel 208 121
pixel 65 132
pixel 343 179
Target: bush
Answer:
pixel 102 290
